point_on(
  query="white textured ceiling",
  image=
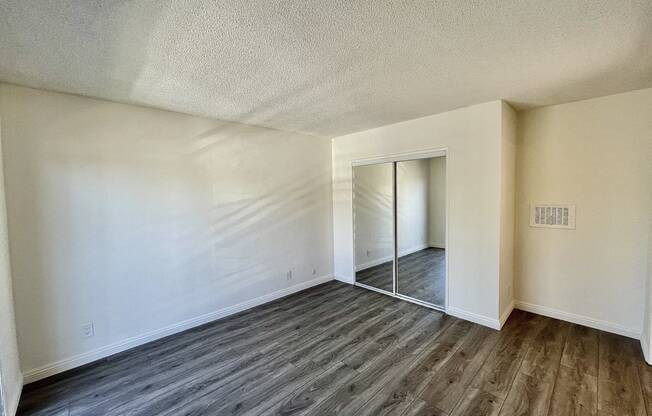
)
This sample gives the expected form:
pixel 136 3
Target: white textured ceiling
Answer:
pixel 327 67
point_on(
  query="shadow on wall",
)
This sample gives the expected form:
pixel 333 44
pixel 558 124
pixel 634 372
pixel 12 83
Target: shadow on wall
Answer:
pixel 117 210
pixel 170 217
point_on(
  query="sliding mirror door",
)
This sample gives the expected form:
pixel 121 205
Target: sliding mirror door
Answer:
pixel 421 229
pixel 373 219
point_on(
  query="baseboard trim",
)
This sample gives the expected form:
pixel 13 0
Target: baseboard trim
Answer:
pixel 373 263
pixel 505 315
pixel 437 245
pixel 51 369
pixel 474 317
pixel 376 262
pixel 578 319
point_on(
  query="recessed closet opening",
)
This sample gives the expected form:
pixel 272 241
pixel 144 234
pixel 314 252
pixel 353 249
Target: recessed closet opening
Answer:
pixel 400 227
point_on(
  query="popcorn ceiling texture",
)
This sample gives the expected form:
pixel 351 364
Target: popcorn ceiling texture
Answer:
pixel 327 67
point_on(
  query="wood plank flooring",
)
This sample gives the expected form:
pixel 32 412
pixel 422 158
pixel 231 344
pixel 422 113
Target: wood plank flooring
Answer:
pixel 421 275
pixel 336 349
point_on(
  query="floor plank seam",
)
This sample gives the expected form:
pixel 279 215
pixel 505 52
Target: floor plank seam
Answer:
pixel 440 369
pixel 417 357
pixel 383 331
pixel 461 399
pixel 349 355
pixel 299 388
pixel 640 383
pixel 441 332
pixel 511 384
pixel 332 365
pixel 558 369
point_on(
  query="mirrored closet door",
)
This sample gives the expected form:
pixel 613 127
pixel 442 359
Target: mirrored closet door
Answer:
pixel 373 216
pixel 399 225
pixel 421 229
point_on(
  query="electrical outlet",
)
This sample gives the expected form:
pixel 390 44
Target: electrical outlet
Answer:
pixel 88 330
pixel 288 275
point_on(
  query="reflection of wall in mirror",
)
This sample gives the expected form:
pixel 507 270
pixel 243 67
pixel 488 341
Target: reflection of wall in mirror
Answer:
pixel 437 203
pixel 373 206
pixel 412 179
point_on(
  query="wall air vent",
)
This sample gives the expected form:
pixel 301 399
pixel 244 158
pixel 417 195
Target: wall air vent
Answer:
pixel 552 216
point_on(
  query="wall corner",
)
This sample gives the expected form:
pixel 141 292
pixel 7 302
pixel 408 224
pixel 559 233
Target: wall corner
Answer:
pixel 507 210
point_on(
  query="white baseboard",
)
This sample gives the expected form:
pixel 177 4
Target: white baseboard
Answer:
pixel 578 319
pixel 474 317
pixel 437 245
pixel 505 315
pixel 102 352
pixel 373 263
pixel 376 262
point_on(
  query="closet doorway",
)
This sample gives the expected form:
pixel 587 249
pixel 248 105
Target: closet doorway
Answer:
pixel 400 227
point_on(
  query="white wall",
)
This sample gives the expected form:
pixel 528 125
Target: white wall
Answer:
pixel 145 222
pixel 374 215
pixel 507 209
pixel 594 154
pixel 412 205
pixel 473 138
pixel 437 202
pixel 646 336
pixel 10 375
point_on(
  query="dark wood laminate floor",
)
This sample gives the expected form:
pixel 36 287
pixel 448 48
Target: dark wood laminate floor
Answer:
pixel 421 275
pixel 341 350
pixel 378 276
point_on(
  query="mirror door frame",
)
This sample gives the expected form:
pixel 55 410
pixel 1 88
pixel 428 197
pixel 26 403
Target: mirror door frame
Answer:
pixel 394 159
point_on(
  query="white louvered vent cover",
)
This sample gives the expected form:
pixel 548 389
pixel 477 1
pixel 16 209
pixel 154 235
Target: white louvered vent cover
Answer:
pixel 552 216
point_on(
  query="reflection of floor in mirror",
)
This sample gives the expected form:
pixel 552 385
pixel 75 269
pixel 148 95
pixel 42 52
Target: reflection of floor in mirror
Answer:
pixel 421 275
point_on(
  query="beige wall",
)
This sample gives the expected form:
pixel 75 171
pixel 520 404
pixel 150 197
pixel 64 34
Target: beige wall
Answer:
pixel 593 154
pixel 412 205
pixel 437 203
pixel 145 222
pixel 507 209
pixel 10 375
pixel 473 138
